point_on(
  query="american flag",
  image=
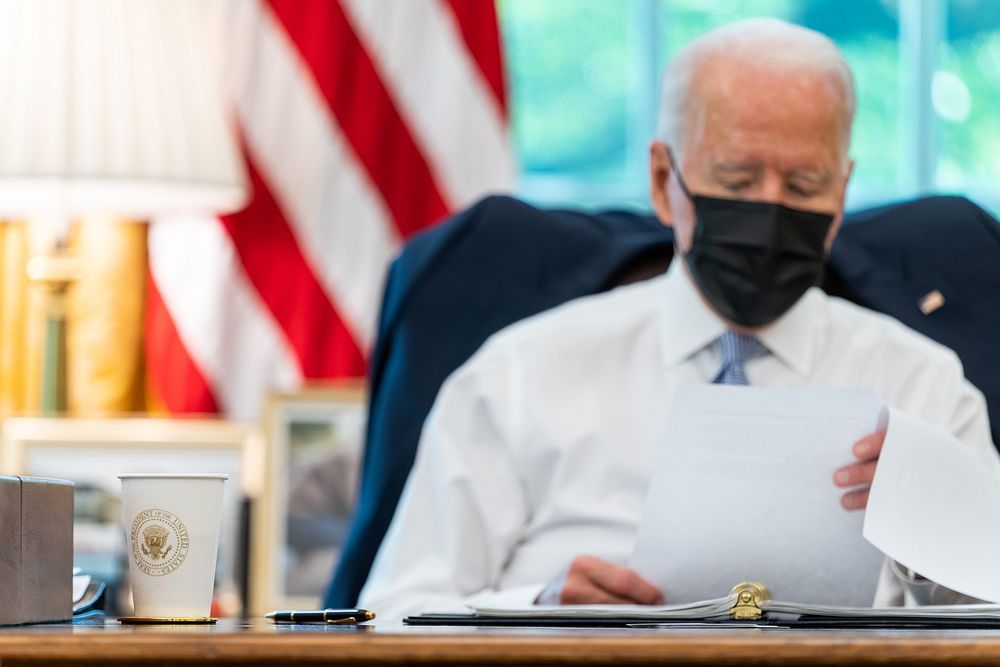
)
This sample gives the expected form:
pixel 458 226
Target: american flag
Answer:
pixel 362 122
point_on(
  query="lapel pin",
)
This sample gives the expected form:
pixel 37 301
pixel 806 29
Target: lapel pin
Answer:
pixel 931 302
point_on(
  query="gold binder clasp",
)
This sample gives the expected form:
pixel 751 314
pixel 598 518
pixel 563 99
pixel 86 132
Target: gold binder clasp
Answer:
pixel 748 596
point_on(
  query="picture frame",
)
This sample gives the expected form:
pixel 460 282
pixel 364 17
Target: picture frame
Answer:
pixel 313 440
pixel 91 452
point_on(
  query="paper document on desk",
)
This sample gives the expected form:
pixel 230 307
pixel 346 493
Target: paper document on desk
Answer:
pixel 743 491
pixel 719 610
pixel 934 506
pixel 704 609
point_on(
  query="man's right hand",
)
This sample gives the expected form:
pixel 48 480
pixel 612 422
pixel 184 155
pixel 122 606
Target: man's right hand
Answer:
pixel 591 580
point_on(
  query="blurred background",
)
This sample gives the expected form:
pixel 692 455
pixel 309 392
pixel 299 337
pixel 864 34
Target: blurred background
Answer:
pixel 199 201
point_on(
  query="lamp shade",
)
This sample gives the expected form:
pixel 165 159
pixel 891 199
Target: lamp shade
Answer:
pixel 112 107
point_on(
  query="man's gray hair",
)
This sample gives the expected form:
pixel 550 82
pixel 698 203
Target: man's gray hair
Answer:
pixel 768 43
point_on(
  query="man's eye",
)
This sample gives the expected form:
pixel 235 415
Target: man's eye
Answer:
pixel 737 186
pixel 802 191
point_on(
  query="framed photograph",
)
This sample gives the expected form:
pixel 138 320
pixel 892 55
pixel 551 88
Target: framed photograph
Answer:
pixel 92 452
pixel 313 442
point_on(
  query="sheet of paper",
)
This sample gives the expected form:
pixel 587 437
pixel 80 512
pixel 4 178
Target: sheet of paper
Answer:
pixel 935 508
pixel 744 491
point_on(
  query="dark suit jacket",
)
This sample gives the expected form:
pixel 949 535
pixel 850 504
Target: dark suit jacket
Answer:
pixel 502 260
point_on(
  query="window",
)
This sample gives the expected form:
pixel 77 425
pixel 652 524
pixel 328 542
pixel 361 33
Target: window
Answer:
pixel 965 96
pixel 574 94
pixel 585 84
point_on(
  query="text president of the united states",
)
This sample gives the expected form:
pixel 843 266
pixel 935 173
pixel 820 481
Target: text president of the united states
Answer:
pixel 534 462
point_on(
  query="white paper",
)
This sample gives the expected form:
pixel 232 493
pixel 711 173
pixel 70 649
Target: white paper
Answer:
pixel 744 491
pixel 80 583
pixel 934 507
pixel 704 609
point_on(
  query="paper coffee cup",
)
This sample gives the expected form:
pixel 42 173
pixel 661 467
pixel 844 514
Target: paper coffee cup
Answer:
pixel 172 526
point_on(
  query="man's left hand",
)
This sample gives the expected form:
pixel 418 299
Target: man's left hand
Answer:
pixel 858 476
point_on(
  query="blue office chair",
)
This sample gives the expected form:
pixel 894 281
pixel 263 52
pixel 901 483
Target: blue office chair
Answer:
pixel 503 260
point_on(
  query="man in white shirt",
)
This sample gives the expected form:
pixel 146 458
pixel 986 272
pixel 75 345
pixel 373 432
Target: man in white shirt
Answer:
pixel 534 462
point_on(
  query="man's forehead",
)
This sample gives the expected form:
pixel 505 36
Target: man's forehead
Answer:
pixel 757 92
pixel 741 113
pixel 723 148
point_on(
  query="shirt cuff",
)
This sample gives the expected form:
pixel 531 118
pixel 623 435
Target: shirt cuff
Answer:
pixel 916 588
pixel 922 591
pixel 551 594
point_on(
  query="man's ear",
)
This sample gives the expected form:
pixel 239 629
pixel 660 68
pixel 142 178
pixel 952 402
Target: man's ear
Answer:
pixel 659 172
pixel 839 216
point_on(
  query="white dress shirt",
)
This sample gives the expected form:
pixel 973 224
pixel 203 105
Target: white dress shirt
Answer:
pixel 540 447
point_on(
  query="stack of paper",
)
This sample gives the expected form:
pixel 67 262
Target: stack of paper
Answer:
pixel 715 608
pixel 718 610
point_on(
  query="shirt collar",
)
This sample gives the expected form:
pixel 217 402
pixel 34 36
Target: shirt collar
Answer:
pixel 792 336
pixel 688 324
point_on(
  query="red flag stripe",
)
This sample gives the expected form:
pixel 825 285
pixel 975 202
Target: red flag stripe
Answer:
pixel 481 34
pixel 348 80
pixel 295 298
pixel 440 92
pixel 172 374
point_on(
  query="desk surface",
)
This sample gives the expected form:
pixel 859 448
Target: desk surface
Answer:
pixel 259 642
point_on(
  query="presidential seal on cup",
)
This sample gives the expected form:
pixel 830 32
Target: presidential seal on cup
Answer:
pixel 172 524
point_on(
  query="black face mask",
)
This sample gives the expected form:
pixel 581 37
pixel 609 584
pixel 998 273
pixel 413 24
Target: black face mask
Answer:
pixel 753 260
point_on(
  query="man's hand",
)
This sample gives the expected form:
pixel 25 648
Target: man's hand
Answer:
pixel 591 580
pixel 860 474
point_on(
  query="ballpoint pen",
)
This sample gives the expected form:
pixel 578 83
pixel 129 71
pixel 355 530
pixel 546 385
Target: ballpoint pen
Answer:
pixel 332 616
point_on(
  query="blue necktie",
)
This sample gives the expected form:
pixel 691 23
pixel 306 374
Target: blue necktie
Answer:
pixel 737 349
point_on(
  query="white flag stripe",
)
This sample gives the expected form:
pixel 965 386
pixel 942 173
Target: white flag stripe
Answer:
pixel 336 214
pixel 452 114
pixel 230 335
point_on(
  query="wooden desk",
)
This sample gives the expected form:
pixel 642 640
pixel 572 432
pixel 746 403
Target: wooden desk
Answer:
pixel 262 643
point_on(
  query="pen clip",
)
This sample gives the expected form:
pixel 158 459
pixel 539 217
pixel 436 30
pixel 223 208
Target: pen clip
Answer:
pixel 350 620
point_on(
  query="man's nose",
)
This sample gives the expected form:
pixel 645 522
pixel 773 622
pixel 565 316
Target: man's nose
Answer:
pixel 773 188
